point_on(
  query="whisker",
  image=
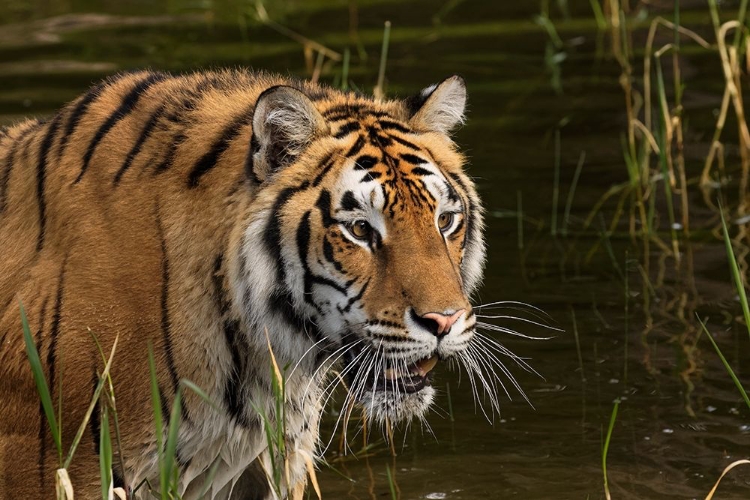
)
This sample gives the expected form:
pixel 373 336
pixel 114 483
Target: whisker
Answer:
pixel 491 343
pixel 523 320
pixel 513 303
pixel 502 329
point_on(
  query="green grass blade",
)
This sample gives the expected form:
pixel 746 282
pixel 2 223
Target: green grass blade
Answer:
pixel 742 19
pixel 546 23
pixel 168 471
pixel 158 417
pixel 736 276
pixel 726 364
pixel 41 383
pixel 105 455
pixel 190 385
pixel 345 71
pixel 605 448
pixel 601 22
pixel 572 192
pixel 380 90
pixel 92 404
pixel 391 483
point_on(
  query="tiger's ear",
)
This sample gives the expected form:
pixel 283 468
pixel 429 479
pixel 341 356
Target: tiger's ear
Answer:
pixel 285 122
pixel 440 107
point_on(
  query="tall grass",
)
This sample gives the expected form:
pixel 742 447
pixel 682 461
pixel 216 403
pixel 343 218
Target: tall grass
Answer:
pixel 654 144
pixel 63 486
pixel 739 286
pixel 605 447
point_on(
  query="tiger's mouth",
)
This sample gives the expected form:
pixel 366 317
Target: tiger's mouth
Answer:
pixel 413 379
pixel 397 377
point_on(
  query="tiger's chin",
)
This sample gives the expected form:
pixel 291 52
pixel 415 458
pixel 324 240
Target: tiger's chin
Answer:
pixel 393 407
pixel 396 395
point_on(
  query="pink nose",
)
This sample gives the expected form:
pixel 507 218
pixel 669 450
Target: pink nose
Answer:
pixel 444 321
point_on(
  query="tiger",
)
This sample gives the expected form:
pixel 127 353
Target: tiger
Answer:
pixel 228 220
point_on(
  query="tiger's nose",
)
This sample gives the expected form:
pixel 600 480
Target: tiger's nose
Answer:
pixel 444 321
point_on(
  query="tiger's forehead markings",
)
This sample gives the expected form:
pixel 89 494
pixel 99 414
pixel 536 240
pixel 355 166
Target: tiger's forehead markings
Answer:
pixel 401 174
pixel 401 178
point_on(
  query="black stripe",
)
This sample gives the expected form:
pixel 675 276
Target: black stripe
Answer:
pixel 55 332
pixel 166 162
pixel 126 107
pixel 208 161
pixel 165 410
pixel 9 160
pixel 78 112
pixel 357 297
pixel 349 202
pixel 280 302
pixel 377 138
pixel 272 233
pixel 420 171
pixel 233 395
pixel 452 194
pixel 95 419
pixel 328 254
pixel 356 147
pixel 303 248
pixel 250 162
pixel 389 125
pixel 324 205
pixel 303 243
pixel 370 176
pixel 165 321
pixel 338 117
pixel 415 102
pixel 327 163
pixel 346 129
pixel 365 162
pixel 413 159
pixel 404 142
pixel 117 480
pixel 145 134
pixel 470 228
pixel 41 176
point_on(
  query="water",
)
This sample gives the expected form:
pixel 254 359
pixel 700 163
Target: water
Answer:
pixel 680 419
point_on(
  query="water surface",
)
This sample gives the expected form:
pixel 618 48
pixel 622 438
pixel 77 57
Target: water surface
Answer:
pixel 680 419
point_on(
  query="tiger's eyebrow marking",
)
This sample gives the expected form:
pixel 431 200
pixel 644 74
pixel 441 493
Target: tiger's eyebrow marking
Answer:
pixel 346 129
pixel 365 162
pixel 349 202
pixel 421 171
pixel 413 159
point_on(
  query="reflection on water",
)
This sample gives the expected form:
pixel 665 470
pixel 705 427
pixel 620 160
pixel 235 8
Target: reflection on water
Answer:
pixel 625 337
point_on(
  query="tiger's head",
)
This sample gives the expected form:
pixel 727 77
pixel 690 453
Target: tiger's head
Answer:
pixel 365 239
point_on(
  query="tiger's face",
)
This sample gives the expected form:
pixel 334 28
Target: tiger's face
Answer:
pixel 378 238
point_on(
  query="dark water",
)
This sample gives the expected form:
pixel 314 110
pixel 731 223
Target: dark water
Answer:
pixel 680 418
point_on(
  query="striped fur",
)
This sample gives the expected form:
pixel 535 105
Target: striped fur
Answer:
pixel 203 215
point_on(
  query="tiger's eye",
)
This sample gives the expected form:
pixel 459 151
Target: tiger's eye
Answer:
pixel 445 220
pixel 360 229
